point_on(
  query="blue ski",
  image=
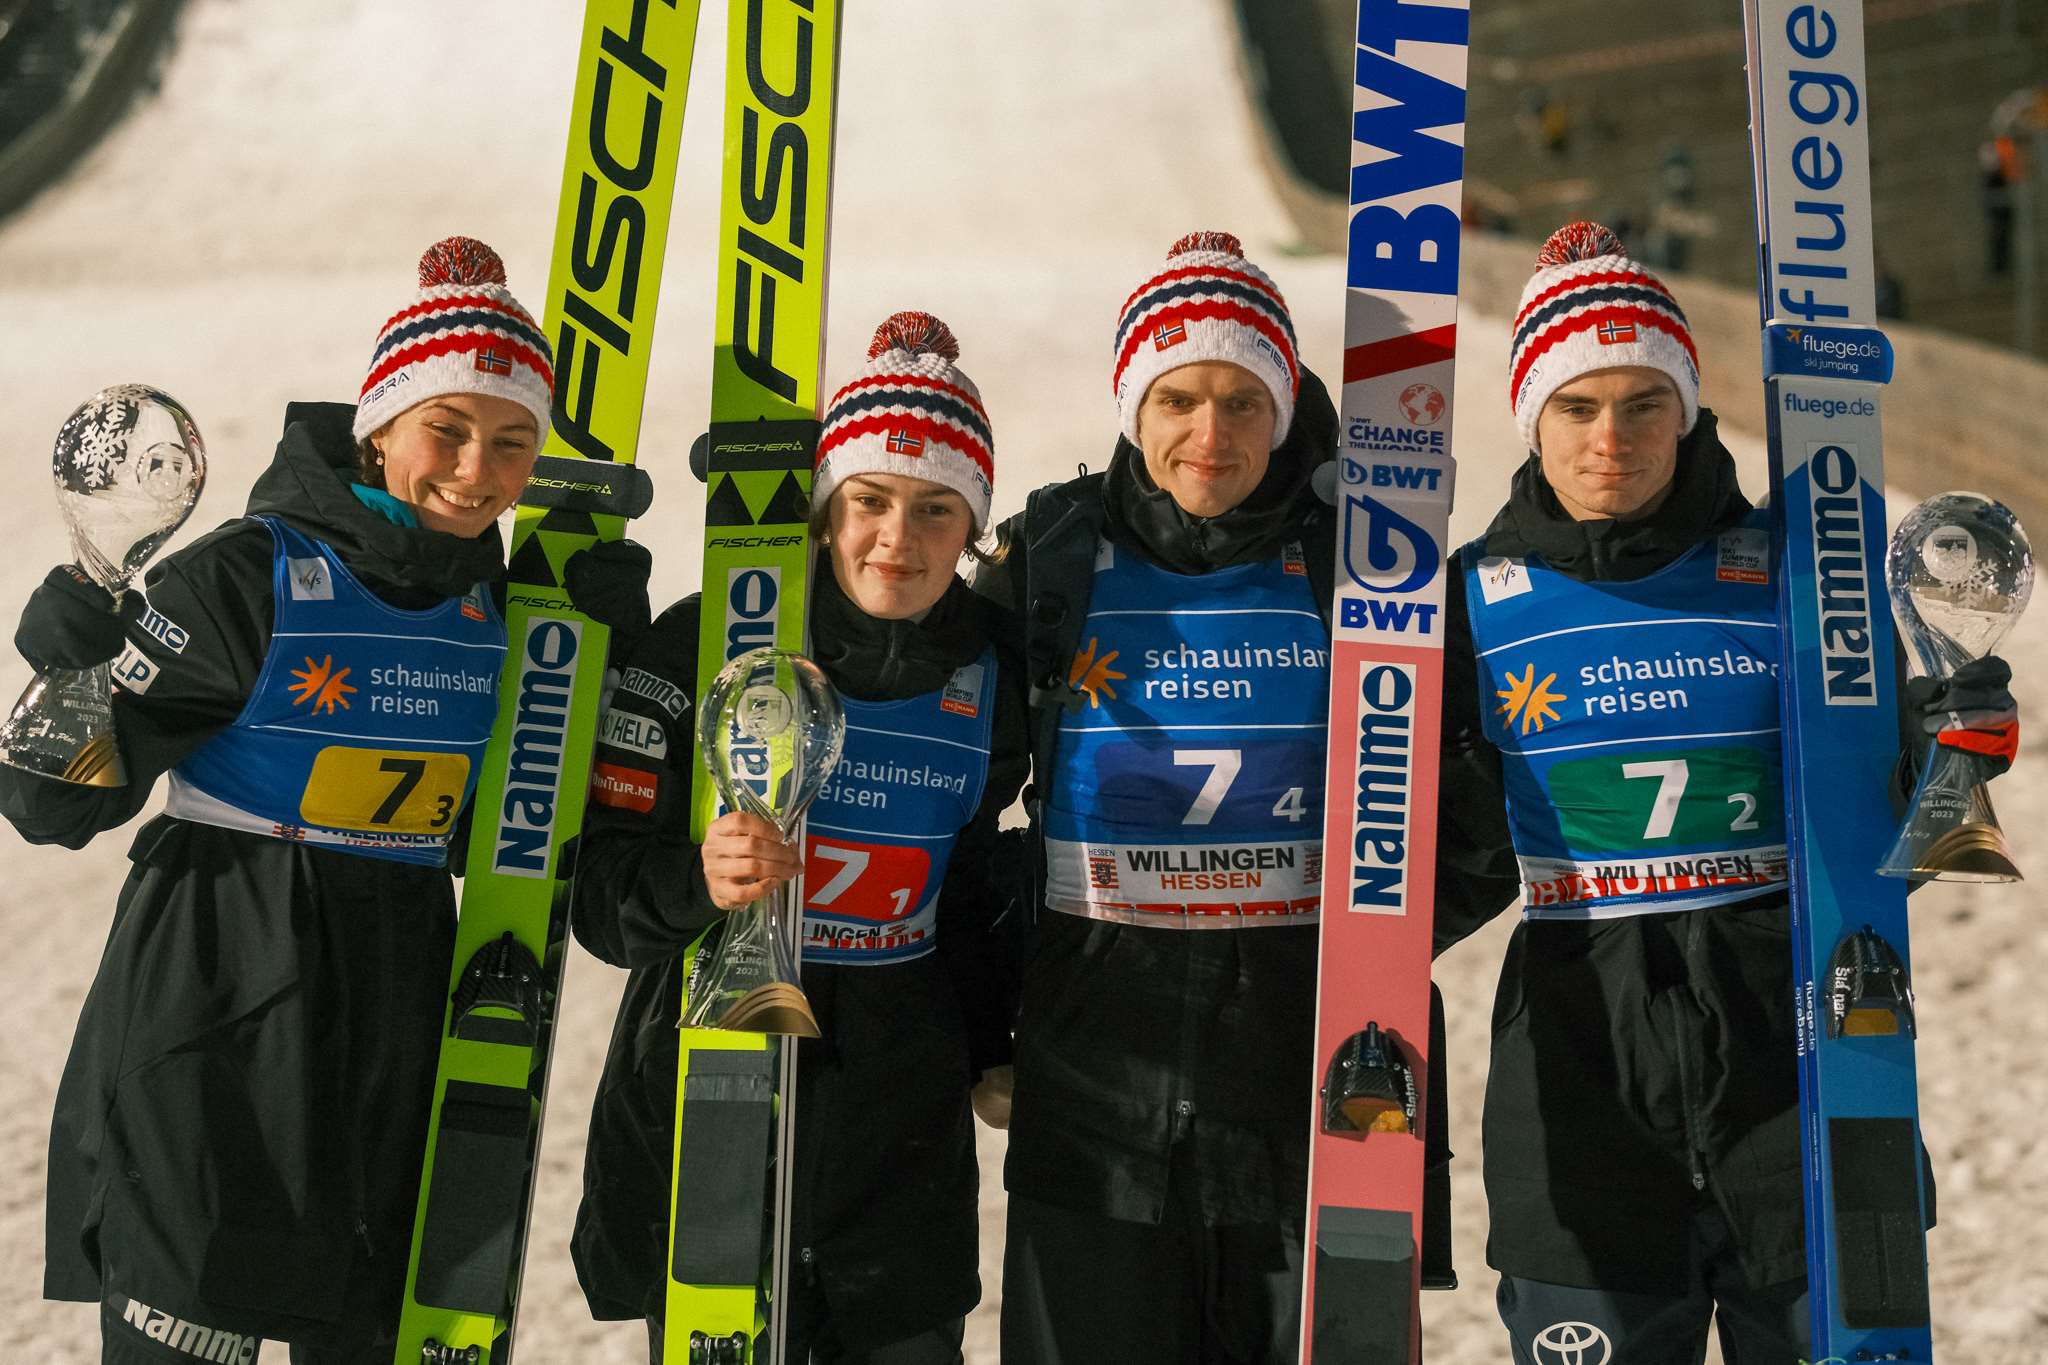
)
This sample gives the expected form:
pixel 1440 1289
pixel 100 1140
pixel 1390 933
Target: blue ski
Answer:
pixel 1825 365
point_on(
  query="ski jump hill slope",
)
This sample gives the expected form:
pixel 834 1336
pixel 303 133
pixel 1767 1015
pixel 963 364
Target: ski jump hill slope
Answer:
pixel 1013 167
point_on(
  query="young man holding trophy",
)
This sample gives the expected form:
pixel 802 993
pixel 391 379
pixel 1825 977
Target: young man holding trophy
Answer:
pixel 1612 657
pixel 905 976
pixel 236 1148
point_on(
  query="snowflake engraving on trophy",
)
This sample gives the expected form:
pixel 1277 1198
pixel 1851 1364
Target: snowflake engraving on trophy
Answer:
pixel 1960 572
pixel 128 466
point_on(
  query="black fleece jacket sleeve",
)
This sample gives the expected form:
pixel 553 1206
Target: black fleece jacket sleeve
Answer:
pixel 1476 873
pixel 975 939
pixel 195 648
pixel 640 893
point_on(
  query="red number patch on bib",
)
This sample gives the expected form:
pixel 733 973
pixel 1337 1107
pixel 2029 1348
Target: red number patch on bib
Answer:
pixel 879 883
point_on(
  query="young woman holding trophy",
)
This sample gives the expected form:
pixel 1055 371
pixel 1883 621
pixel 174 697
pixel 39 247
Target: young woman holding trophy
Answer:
pixel 901 961
pixel 236 1148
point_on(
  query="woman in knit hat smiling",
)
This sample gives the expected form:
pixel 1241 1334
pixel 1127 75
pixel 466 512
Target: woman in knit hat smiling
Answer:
pixel 236 1149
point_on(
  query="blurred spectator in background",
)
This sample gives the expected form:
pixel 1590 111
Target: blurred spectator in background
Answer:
pixel 1999 161
pixel 1547 121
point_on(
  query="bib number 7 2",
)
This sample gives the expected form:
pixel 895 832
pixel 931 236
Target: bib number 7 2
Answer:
pixel 1672 775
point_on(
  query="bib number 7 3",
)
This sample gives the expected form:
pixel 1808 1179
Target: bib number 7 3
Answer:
pixel 390 791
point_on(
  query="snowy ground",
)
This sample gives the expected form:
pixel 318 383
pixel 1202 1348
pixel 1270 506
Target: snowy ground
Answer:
pixel 1014 167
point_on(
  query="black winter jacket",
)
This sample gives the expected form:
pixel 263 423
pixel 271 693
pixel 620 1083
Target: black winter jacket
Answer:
pixel 1644 1068
pixel 240 1123
pixel 1145 1054
pixel 884 1225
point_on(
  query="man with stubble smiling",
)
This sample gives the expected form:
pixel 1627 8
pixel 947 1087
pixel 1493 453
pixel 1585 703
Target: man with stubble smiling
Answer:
pixel 1176 611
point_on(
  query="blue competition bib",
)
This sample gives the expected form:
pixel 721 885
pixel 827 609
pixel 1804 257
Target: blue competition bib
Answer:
pixel 1638 728
pixel 1188 792
pixel 879 836
pixel 366 725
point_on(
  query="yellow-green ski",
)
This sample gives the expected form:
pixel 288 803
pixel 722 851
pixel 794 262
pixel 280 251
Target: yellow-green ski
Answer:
pixel 469 1234
pixel 729 1209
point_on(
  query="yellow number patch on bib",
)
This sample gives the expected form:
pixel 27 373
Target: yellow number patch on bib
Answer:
pixel 395 791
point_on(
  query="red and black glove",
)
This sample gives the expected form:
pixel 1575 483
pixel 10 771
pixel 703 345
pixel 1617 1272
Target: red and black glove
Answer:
pixel 1972 709
pixel 69 622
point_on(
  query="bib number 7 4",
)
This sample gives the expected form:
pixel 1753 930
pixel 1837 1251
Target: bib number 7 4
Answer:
pixel 1224 765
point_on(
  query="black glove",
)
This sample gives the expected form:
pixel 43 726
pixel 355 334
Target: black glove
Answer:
pixel 608 583
pixel 1972 709
pixel 69 622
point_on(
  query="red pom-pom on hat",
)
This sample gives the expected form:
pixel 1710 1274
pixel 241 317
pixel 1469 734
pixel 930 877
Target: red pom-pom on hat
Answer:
pixel 460 260
pixel 1579 241
pixel 1224 242
pixel 917 333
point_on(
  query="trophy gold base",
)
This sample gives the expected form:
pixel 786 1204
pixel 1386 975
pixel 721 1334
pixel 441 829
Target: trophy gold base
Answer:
pixel 1971 852
pixel 98 764
pixel 777 1007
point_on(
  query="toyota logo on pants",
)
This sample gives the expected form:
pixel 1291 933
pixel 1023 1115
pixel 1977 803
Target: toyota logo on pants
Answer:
pixel 1572 1343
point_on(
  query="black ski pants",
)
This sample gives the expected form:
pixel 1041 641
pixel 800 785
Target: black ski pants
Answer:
pixel 133 1333
pixel 1081 1289
pixel 1554 1324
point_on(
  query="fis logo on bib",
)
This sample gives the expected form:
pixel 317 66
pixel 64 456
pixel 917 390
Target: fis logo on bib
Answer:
pixel 310 581
pixel 1500 579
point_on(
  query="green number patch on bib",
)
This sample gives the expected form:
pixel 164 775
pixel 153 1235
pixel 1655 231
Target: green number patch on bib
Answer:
pixel 394 791
pixel 1683 798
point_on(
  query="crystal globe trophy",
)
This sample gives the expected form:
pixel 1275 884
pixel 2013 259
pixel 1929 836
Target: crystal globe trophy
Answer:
pixel 129 465
pixel 768 712
pixel 1960 572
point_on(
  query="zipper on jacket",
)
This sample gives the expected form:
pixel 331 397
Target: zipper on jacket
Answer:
pixel 1683 1001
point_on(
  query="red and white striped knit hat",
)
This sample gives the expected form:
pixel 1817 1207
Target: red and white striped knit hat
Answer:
pixel 910 411
pixel 1208 303
pixel 463 333
pixel 1590 307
